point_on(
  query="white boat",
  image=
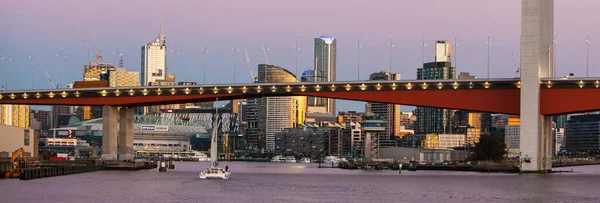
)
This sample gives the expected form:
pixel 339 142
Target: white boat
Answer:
pixel 332 159
pixel 284 159
pixel 200 156
pixel 214 172
pixel 290 159
pixel 305 160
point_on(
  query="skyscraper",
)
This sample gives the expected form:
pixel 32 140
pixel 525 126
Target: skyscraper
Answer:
pixel 436 120
pixel 324 71
pixel 154 59
pixel 277 113
pixel 390 112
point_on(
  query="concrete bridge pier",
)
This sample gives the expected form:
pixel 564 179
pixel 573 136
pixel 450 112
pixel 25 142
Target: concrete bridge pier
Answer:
pixel 537 41
pixel 126 129
pixel 117 138
pixel 109 133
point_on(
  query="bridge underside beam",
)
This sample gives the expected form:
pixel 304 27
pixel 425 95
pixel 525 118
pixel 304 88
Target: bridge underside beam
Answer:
pixel 484 100
pixel 568 101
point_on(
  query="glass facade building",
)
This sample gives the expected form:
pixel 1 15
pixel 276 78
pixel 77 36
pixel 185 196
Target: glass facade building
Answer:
pixel 435 120
pixel 324 71
pixel 582 133
pixel 390 112
pixel 277 113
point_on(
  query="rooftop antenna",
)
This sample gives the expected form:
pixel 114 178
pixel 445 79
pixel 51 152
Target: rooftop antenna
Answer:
pixel 121 61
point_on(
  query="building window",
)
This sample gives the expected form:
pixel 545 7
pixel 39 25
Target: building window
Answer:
pixel 26 136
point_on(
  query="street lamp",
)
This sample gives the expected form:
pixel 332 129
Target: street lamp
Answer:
pixel 358 57
pixel 296 48
pixel 174 51
pixel 6 59
pixel 204 50
pixel 33 59
pixel 61 57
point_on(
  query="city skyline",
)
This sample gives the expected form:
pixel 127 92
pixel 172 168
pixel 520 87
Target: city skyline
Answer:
pixel 28 30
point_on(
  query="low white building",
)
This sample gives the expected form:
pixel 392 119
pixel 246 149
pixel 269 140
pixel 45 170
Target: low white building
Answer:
pixel 13 138
pixel 422 155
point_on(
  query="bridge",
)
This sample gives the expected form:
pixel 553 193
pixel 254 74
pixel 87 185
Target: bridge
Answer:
pixel 535 96
pixel 557 95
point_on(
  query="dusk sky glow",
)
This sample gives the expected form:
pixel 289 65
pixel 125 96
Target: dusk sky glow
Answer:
pixel 48 26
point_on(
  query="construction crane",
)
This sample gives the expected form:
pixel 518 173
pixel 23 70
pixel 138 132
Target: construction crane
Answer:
pixel 98 53
pixel 265 52
pixel 50 79
pixel 18 164
pixel 252 76
pixel 514 63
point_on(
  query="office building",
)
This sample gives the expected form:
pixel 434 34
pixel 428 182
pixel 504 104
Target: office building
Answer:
pixel 278 113
pixel 168 81
pixel 407 119
pixel 403 132
pixel 15 115
pixel 473 136
pixel 324 71
pixel 97 71
pixel 352 143
pixel 390 112
pixel 350 117
pixel 44 119
pixel 560 121
pixel 512 136
pixel 95 74
pixel 250 116
pixel 436 120
pixel 451 141
pixel 57 111
pixel 559 140
pixel 499 121
pixel 304 141
pixel 154 59
pixel 466 76
pixel 123 78
pixel 96 77
pixel 582 133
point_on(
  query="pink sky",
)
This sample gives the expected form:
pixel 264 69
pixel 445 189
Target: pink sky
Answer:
pixel 47 26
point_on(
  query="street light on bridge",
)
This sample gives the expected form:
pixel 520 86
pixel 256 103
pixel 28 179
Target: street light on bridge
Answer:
pixel 6 59
pixel 33 58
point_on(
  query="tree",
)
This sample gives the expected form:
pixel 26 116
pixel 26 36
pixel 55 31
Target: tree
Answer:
pixel 490 147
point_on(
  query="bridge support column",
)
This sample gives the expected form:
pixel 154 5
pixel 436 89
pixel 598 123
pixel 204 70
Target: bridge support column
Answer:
pixel 537 40
pixel 109 133
pixel 367 154
pixel 126 129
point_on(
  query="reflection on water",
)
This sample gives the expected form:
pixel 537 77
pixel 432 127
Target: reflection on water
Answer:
pixel 298 182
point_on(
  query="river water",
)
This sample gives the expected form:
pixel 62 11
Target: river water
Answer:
pixel 287 182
